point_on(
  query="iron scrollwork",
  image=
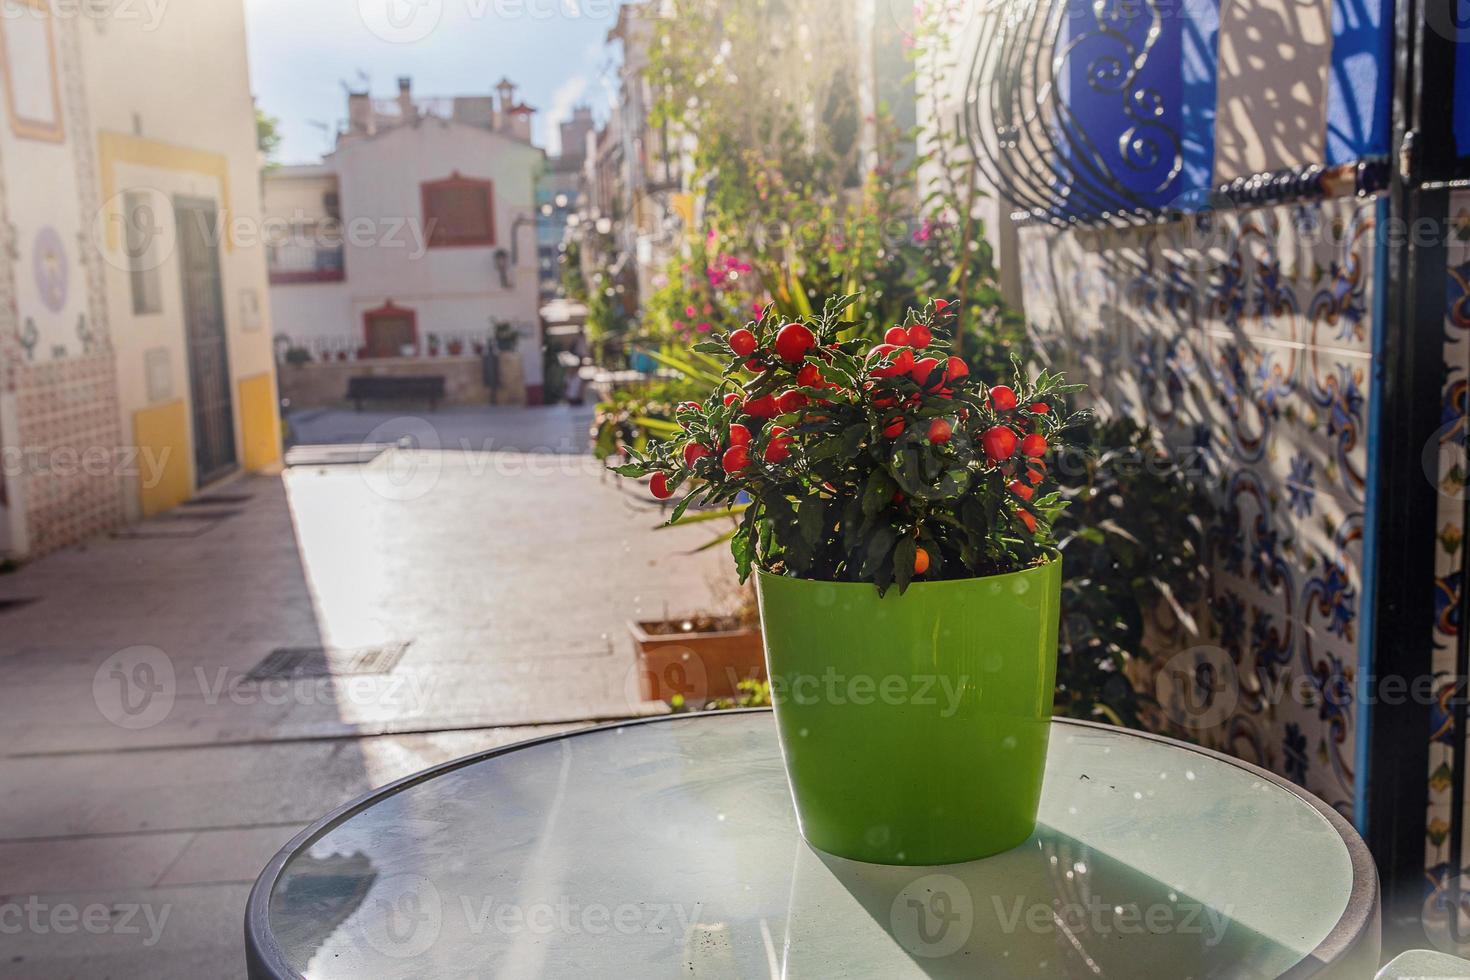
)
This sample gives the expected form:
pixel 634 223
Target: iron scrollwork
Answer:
pixel 1067 108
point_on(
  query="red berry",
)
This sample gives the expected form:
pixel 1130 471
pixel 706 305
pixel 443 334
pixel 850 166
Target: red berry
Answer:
pixel 736 458
pixel 955 369
pixel 999 442
pixel 1002 398
pixel 897 336
pixel 1034 445
pixel 940 305
pixel 1021 490
pixel 1035 475
pixel 763 407
pixel 939 431
pixel 659 486
pixel 793 341
pixel 779 447
pixel 739 435
pixel 919 336
pixel 754 366
pixel 923 368
pixel 901 360
pixel 810 376
pixel 1040 408
pixel 693 453
pixel 1027 519
pixel 921 561
pixel 790 400
pixel 742 342
pixel 731 398
pixel 894 428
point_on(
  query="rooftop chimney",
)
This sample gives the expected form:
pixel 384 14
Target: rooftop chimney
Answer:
pixel 405 98
pixel 360 119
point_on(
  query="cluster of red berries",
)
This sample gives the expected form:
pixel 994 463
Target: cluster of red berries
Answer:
pixel 901 378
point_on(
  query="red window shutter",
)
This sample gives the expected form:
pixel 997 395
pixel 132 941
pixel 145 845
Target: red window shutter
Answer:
pixel 459 211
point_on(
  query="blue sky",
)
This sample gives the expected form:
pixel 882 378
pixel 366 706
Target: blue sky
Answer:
pixel 301 51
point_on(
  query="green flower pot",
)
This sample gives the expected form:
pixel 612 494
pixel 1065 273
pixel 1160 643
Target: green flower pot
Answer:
pixel 914 726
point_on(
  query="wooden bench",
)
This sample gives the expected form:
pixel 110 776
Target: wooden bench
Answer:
pixel 428 388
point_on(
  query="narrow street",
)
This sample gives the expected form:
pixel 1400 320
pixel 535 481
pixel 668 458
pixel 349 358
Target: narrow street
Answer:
pixel 452 600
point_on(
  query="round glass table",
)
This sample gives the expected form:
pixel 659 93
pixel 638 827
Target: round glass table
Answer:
pixel 669 848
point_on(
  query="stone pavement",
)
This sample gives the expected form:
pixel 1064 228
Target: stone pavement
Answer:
pixel 460 428
pixel 146 780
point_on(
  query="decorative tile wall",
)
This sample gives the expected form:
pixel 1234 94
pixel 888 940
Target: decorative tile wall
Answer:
pixel 1450 470
pixel 1245 337
pixel 65 476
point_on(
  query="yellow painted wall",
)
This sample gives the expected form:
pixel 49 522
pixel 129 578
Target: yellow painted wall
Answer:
pixel 260 423
pixel 162 436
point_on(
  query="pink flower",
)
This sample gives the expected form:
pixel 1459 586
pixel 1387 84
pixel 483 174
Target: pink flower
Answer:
pixel 704 328
pixel 689 310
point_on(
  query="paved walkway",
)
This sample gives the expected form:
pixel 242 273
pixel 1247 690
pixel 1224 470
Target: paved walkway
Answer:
pixel 458 428
pixel 145 774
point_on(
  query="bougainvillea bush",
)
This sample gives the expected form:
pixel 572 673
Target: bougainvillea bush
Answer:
pixel 860 462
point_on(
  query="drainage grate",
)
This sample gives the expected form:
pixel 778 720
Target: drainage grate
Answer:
pixel 178 524
pixel 216 499
pixel 287 663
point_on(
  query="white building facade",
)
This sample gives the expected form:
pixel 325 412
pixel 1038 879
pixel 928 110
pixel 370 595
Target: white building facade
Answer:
pixel 415 238
pixel 135 352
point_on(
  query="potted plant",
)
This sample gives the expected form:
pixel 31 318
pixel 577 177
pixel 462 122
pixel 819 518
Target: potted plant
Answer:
pixel 433 345
pixel 456 347
pixel 898 524
pixel 507 337
pixel 691 661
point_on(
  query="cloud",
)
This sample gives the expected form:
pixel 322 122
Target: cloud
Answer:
pixel 563 100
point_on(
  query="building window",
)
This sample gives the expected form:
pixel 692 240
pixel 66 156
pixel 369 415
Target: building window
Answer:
pixel 389 330
pixel 459 211
pixel 141 221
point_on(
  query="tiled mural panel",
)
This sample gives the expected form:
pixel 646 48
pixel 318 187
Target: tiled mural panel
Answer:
pixel 73 469
pixel 1452 479
pixel 1245 337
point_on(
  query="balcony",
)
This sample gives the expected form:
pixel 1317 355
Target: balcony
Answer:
pixel 294 262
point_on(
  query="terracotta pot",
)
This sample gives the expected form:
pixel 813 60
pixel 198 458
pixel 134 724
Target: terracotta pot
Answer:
pixel 700 666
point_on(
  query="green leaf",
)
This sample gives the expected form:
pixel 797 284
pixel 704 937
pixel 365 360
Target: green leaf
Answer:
pixel 709 515
pixel 877 492
pixel 686 367
pixel 903 561
pixel 657 425
pixel 810 525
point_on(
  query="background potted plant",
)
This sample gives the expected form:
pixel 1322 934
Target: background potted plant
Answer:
pixel 693 661
pixel 899 527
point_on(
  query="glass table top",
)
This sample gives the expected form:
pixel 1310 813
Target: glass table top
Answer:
pixel 670 849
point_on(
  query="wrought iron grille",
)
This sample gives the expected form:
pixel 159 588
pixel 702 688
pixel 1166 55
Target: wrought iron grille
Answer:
pixel 1072 108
